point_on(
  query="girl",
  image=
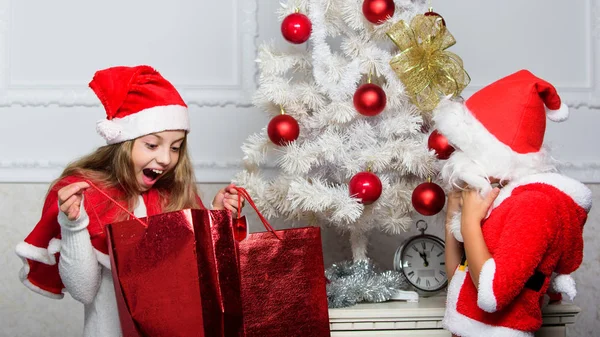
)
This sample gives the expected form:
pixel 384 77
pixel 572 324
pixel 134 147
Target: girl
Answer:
pixel 505 243
pixel 145 167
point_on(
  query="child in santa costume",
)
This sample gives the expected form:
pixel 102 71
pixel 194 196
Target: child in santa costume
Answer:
pixel 506 245
pixel 145 167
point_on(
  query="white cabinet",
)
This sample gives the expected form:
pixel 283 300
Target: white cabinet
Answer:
pixel 424 318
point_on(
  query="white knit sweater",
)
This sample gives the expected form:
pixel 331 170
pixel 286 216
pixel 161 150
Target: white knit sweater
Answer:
pixel 88 281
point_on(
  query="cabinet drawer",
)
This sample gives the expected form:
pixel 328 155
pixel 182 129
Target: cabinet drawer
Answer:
pixel 552 331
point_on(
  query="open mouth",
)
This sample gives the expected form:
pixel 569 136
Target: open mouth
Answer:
pixel 152 174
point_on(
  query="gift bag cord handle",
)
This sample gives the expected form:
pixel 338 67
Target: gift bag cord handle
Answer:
pixel 114 202
pixel 243 193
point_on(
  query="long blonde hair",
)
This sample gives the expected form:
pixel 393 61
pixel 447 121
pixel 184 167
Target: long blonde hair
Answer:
pixel 111 166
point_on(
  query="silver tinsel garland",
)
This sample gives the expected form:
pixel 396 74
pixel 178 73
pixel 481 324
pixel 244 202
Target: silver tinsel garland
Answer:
pixel 351 282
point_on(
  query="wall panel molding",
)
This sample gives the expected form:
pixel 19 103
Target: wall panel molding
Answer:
pixel 64 95
pixel 586 93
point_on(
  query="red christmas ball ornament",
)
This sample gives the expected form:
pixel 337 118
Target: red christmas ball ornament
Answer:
pixel 365 186
pixel 432 13
pixel 428 198
pixel 369 99
pixel 377 11
pixel 439 143
pixel 283 129
pixel 296 28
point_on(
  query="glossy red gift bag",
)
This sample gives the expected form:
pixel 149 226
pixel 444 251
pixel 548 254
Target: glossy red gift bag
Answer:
pixel 283 282
pixel 176 274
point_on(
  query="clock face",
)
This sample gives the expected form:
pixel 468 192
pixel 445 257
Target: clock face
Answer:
pixel 423 263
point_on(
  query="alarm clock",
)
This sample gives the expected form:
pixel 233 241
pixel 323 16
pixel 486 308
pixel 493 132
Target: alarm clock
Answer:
pixel 421 260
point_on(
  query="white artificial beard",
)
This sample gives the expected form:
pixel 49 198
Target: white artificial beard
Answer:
pixel 455 226
pixel 461 171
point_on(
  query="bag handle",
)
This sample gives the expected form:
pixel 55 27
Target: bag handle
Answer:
pixel 114 202
pixel 242 192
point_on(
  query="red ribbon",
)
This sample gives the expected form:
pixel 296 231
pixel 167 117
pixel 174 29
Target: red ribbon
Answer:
pixel 242 192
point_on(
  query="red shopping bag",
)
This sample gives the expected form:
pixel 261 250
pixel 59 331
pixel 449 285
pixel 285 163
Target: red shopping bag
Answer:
pixel 283 281
pixel 176 274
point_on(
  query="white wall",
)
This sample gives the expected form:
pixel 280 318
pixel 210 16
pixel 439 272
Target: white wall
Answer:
pixel 49 51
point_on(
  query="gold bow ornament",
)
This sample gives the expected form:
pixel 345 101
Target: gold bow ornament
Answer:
pixel 426 69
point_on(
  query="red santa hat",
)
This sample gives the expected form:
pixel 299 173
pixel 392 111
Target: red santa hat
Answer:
pixel 499 130
pixel 138 101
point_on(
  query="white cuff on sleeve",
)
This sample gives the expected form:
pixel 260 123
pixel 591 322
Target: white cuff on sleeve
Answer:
pixel 564 283
pixel 485 293
pixel 76 225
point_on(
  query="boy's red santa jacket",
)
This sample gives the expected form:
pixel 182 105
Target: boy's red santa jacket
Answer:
pixel 40 250
pixel 534 230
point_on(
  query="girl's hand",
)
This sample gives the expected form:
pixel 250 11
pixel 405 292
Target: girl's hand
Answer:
pixel 70 198
pixel 227 198
pixel 474 207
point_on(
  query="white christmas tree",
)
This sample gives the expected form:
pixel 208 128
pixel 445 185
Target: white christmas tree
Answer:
pixel 321 85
